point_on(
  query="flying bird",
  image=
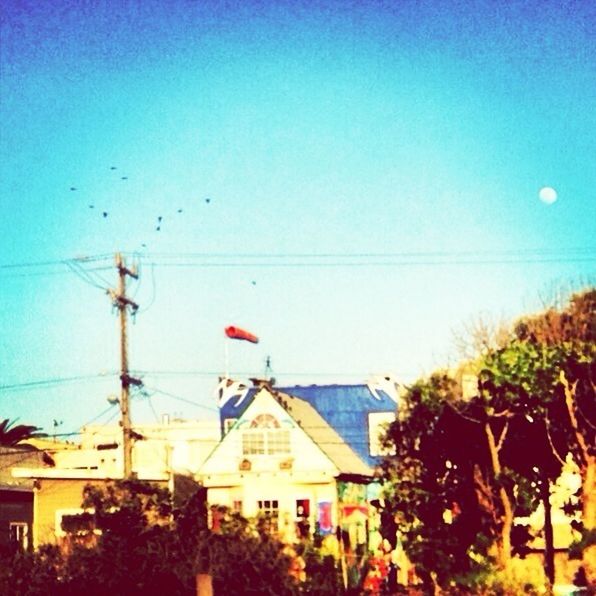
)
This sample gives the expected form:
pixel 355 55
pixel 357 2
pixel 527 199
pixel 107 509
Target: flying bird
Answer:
pixel 158 228
pixel 207 200
pixel 159 218
pixel 179 210
pixel 105 213
pixel 73 188
pixel 124 178
pixel 113 168
pixel 91 206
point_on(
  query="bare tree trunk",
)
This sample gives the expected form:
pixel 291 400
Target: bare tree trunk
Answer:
pixel 587 468
pixel 588 474
pixel 504 543
pixel 204 585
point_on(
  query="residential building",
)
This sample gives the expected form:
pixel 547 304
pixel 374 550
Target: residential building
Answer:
pixel 159 452
pixel 282 458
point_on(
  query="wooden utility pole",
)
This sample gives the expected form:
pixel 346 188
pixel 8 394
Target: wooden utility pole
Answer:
pixel 123 303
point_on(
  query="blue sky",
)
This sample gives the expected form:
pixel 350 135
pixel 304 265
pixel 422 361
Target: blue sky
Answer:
pixel 418 130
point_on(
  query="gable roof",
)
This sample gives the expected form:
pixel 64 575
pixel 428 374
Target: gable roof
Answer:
pixel 343 407
pixel 325 437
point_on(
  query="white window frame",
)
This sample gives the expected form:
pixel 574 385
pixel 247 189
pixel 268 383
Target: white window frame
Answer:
pixel 60 513
pixel 378 423
pixel 269 508
pixel 21 536
pixel 266 441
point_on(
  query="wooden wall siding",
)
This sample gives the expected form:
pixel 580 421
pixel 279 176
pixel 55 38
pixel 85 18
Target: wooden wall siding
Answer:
pixel 52 495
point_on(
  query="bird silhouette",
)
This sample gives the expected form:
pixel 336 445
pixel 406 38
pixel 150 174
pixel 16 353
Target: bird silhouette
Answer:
pixel 113 168
pixel 73 188
pixel 91 206
pixel 207 200
pixel 179 210
pixel 124 178
pixel 159 218
pixel 158 228
pixel 105 213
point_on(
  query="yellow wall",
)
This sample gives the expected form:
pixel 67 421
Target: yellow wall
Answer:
pixel 51 496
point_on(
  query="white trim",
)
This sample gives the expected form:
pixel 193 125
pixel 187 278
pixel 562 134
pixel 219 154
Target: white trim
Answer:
pixel 76 474
pixel 60 513
pixel 23 539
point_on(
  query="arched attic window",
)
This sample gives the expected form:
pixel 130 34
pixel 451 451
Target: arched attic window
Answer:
pixel 264 421
pixel 265 437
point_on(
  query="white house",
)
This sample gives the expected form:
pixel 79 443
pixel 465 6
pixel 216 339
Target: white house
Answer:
pixel 281 459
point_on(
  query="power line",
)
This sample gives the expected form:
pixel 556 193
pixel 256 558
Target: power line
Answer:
pixel 54 381
pixel 85 259
pixel 278 373
pixel 182 399
pixel 330 259
pixel 86 276
pixel 408 254
pixel 44 273
pixel 355 260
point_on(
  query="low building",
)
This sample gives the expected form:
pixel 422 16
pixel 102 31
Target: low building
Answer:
pixel 58 493
pixel 159 452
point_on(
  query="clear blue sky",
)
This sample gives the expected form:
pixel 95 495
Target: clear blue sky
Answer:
pixel 419 130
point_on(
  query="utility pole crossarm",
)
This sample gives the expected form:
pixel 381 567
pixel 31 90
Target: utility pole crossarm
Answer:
pixel 123 269
pixel 128 380
pixel 124 301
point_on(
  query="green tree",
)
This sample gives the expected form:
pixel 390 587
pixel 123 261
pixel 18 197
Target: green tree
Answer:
pixel 562 343
pixel 11 435
pixel 133 541
pixel 464 469
pixel 429 492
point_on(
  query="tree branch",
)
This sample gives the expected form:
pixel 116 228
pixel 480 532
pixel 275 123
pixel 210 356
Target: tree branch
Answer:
pixel 502 437
pixel 462 415
pixel 569 402
pixel 550 442
pixel 503 413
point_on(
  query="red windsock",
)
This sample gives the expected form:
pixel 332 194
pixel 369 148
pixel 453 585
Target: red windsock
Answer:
pixel 237 333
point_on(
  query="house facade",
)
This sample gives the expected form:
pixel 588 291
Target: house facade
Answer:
pixel 281 458
pixel 159 452
pixel 58 493
pixel 358 413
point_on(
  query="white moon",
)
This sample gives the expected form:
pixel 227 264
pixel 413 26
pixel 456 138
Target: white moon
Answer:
pixel 548 195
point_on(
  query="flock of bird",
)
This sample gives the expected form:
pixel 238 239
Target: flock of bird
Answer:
pixel 159 217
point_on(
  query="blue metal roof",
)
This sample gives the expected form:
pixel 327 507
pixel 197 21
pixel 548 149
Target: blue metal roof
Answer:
pixel 344 407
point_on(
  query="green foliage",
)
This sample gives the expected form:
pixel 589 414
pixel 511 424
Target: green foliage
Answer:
pixel 429 492
pixel 244 560
pixel 11 435
pixel 587 539
pixel 443 486
pixel 135 543
pixel 29 574
pixel 323 575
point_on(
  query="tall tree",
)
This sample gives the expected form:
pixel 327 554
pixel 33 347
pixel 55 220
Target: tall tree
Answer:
pixel 534 404
pixel 564 340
